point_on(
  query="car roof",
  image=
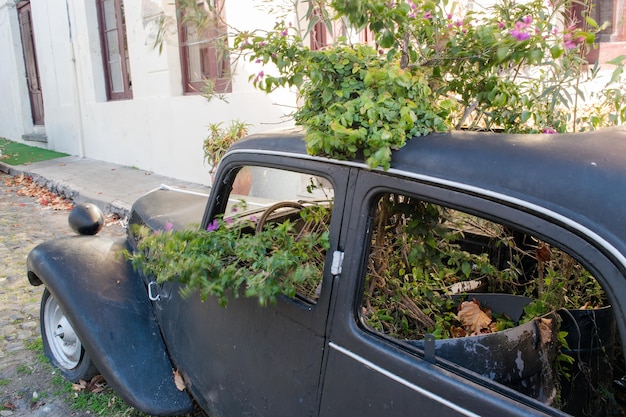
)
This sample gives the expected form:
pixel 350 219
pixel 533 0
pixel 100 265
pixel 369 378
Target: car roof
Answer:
pixel 578 176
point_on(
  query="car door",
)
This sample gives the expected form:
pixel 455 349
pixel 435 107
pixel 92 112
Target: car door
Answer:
pixel 246 359
pixel 371 373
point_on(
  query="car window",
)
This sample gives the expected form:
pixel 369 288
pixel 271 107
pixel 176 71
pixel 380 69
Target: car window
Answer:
pixel 270 196
pixel 491 299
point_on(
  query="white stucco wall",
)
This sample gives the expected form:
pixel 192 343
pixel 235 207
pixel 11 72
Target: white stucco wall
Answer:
pixel 159 129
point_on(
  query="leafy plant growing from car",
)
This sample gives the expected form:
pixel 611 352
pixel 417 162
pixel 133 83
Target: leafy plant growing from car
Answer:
pixel 426 259
pixel 514 67
pixel 235 255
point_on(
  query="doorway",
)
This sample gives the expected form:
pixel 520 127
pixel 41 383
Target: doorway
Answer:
pixel 30 62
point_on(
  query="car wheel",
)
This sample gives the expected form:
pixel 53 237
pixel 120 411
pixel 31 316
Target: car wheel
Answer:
pixel 61 344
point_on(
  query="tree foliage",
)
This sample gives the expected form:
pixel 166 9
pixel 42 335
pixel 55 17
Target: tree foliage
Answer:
pixel 512 67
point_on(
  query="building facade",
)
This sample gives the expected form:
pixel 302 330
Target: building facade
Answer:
pixel 120 80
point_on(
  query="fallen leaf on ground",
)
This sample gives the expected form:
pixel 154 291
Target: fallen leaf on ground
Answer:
pixel 8 405
pixel 28 188
pixel 95 385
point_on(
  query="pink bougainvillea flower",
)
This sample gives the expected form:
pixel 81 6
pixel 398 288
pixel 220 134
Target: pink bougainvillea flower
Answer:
pixel 284 33
pixel 259 76
pixel 527 20
pixel 169 226
pixel 253 219
pixel 519 32
pixel 214 225
pixel 229 220
pixel 501 25
pixel 549 130
pixel 568 41
pixel 428 15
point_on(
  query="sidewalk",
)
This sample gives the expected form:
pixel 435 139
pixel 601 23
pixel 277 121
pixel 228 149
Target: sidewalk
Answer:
pixel 112 187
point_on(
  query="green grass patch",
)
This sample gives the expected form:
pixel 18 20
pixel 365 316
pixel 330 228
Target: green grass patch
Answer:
pixel 14 153
pixel 24 369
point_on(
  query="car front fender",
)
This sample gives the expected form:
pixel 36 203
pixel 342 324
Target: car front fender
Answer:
pixel 107 304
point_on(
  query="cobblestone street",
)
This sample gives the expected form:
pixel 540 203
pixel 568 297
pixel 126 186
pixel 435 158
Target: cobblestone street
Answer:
pixel 24 223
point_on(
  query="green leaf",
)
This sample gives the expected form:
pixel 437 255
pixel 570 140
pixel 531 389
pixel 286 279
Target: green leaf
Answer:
pixel 502 52
pixel 387 39
pixel 616 76
pixel 591 22
pixel 617 60
pixel 556 51
pixel 297 80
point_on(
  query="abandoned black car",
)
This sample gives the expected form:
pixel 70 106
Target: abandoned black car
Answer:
pixel 483 274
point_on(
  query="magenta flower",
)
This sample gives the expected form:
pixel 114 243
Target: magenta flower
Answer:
pixel 527 20
pixel 569 41
pixel 259 76
pixel 284 33
pixel 214 225
pixel 449 16
pixel 253 219
pixel 169 226
pixel 501 25
pixel 519 32
pixel 428 15
pixel 229 220
pixel 549 130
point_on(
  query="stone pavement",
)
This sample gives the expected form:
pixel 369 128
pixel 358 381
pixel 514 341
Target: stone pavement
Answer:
pixel 24 223
pixel 112 187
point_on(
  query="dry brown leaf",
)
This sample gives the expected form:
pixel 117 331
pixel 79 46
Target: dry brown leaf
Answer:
pixel 545 330
pixel 97 384
pixel 80 386
pixel 178 380
pixel 456 331
pixel 27 188
pixel 473 319
pixel 8 405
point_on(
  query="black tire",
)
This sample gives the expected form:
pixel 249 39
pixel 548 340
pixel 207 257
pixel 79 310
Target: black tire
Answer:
pixel 61 344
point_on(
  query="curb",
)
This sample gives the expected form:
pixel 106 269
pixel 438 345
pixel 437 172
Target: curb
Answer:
pixel 69 191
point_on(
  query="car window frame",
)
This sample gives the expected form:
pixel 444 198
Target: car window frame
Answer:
pixel 314 316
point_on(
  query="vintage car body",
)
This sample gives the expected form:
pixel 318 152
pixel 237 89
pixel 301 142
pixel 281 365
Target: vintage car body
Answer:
pixel 299 358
